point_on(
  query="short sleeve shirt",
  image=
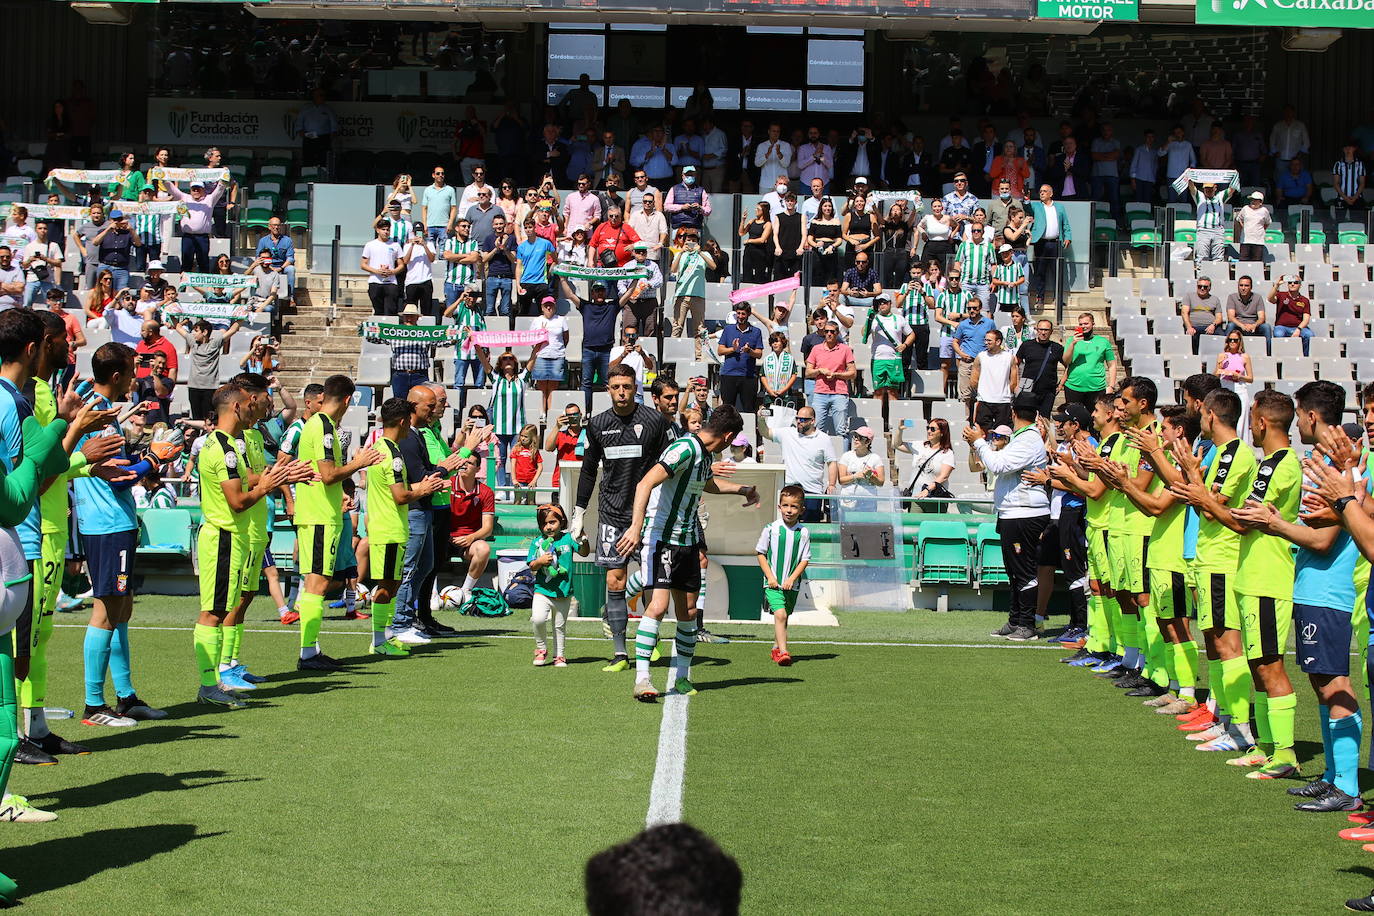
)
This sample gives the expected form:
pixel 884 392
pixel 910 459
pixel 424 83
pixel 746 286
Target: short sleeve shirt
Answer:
pixel 1088 367
pixel 741 365
pixel 219 462
pixel 466 507
pixel 1233 469
pixel 1268 559
pixel 387 520
pixel 785 548
pixel 318 503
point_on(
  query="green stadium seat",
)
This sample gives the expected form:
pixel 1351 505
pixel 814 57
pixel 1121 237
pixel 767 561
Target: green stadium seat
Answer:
pixel 1273 236
pixel 283 546
pixel 942 553
pixel 1143 232
pixel 1352 234
pixel 297 214
pixel 1104 230
pixel 165 532
pixel 989 566
pixel 257 217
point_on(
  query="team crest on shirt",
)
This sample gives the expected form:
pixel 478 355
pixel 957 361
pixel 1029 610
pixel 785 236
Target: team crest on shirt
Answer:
pixel 1227 457
pixel 1016 546
pixel 639 430
pixel 231 460
pixel 329 440
pixel 397 465
pixel 122 583
pixel 1266 470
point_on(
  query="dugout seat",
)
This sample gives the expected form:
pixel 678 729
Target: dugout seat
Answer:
pixel 989 566
pixel 165 532
pixel 942 553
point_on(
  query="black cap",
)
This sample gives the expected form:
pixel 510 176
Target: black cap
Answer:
pixel 1354 430
pixel 1074 413
pixel 1025 401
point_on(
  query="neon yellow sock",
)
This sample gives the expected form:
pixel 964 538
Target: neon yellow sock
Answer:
pixel 311 609
pixel 1099 636
pixel 1283 712
pixel 1263 738
pixel 207 644
pixel 238 642
pixel 1236 685
pixel 1215 687
pixel 1156 654
pixel 1185 664
pixel 1112 620
pixel 382 614
pixel 229 648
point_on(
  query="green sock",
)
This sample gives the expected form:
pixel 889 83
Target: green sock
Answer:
pixel 238 641
pixel 311 609
pixel 1283 712
pixel 229 650
pixel 382 614
pixel 1125 628
pixel 1263 736
pixel 1236 685
pixel 1099 637
pixel 1185 663
pixel 208 641
pixel 1215 688
pixel 1156 654
pixel 1112 623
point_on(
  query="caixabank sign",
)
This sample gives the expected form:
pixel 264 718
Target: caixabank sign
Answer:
pixel 1308 14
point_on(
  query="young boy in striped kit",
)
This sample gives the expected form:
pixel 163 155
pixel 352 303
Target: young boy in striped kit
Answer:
pixel 784 550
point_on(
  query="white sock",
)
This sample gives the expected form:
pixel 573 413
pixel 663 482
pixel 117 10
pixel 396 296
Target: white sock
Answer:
pixel 1189 692
pixel 350 599
pixel 223 667
pixel 1212 704
pixel 1247 737
pixel 309 651
pixel 469 583
pixel 379 637
pixel 282 611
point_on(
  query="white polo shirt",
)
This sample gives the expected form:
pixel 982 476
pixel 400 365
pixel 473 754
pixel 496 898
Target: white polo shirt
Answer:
pixel 805 457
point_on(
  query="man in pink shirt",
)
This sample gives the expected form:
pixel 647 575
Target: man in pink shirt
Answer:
pixel 197 223
pixel 582 207
pixel 832 366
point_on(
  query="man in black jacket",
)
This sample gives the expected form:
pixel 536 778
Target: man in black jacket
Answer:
pixel 741 171
pixel 1070 173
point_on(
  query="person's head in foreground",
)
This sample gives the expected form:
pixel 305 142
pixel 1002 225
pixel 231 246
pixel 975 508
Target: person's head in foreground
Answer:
pixel 668 870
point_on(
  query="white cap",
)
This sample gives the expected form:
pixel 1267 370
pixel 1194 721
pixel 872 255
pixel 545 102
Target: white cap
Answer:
pixel 155 264
pixel 1257 195
pixel 1003 247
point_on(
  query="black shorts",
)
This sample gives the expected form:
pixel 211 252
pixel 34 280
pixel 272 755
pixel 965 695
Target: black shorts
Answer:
pixel 1322 639
pixel 26 628
pixel 671 566
pixel 110 562
pixel 607 557
pixel 1049 547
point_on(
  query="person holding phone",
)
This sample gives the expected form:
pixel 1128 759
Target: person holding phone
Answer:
pixel 631 353
pixel 1091 361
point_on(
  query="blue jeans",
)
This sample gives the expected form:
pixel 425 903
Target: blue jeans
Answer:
pixel 1265 330
pixel 451 293
pixel 436 235
pixel 983 293
pixel 1108 188
pixel 504 441
pixel 119 276
pixel 465 368
pixel 858 302
pixel 596 364
pixel 419 561
pixel 498 289
pixel 1285 331
pixel 402 382
pixel 832 413
pixel 35 290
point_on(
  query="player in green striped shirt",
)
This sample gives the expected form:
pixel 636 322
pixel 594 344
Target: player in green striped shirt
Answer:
pixel 1008 283
pixel 461 255
pixel 507 406
pixel 784 550
pixel 1265 592
pixel 976 259
pixel 1223 487
pixel 668 497
pixel 466 312
pixel 319 512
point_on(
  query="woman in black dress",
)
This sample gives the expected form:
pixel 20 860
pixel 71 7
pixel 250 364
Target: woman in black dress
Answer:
pixel 756 261
pixel 858 229
pixel 823 237
pixel 896 234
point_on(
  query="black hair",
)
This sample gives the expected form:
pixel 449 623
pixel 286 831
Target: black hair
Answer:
pixel 338 388
pixel 1326 398
pixel 1276 406
pixel 1225 404
pixel 662 384
pixel 53 325
pixel 18 329
pixel 1189 424
pixel 394 410
pixel 203 325
pixel 313 390
pixel 1141 387
pixel 57 294
pixel 663 870
pixel 251 381
pixel 225 396
pixel 109 359
pixel 724 421
pixel 1200 384
pixel 1104 397
pixel 794 490
pixel 620 371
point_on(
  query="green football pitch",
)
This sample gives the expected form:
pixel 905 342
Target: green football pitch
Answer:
pixel 906 764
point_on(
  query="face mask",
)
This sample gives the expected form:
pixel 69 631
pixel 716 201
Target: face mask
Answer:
pixel 689 180
pixel 782 189
pixel 1005 196
pixel 1086 334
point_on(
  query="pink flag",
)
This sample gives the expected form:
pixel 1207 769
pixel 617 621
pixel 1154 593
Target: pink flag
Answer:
pixel 744 294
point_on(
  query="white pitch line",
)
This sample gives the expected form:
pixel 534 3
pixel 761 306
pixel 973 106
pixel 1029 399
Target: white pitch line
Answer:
pixel 665 796
pixel 799 642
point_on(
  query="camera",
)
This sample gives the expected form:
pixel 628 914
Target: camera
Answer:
pixel 419 226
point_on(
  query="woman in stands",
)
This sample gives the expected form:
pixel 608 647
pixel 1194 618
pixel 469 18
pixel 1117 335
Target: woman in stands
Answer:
pixel 507 200
pixel 757 248
pixel 897 227
pixel 1236 373
pixel 823 237
pixel 162 159
pixel 400 190
pixel 858 228
pixel 129 181
pixel 932 463
pixel 721 272
pixel 935 235
pixel 100 297
pixel 222 294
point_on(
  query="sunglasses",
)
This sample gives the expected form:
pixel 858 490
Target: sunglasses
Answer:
pixel 932 428
pixel 831 331
pixel 1233 340
pixel 961 181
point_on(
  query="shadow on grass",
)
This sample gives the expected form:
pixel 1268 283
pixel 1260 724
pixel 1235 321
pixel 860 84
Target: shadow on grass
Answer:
pixel 745 682
pixel 52 864
pixel 305 688
pixel 132 785
pixel 817 657
pixel 154 733
pixel 1307 750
